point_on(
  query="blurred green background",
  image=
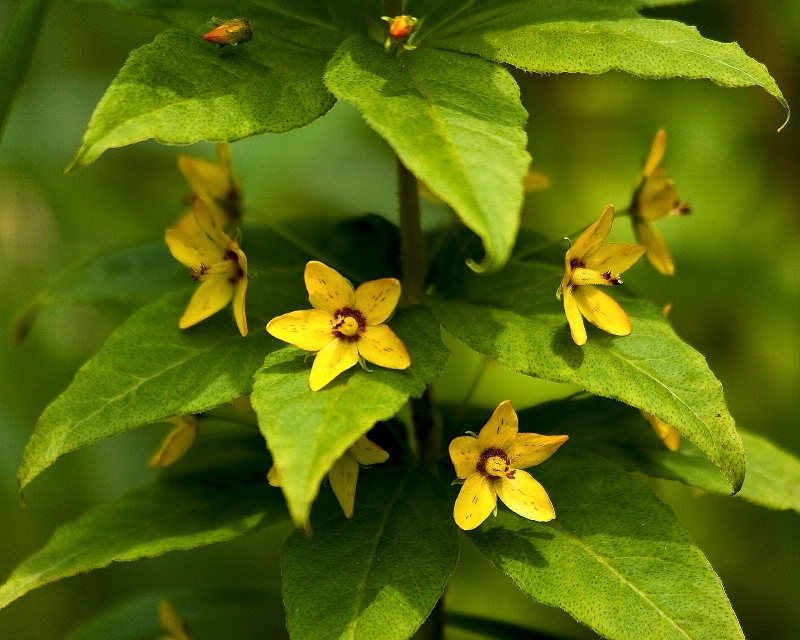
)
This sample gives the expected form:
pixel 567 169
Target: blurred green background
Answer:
pixel 735 296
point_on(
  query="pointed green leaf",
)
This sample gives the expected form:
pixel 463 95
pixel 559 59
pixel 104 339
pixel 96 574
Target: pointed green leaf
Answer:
pixel 307 431
pixel 455 121
pixel 620 434
pixel 182 511
pixel 375 576
pixel 594 37
pixel 615 558
pixel 149 370
pixel 514 317
pixel 179 90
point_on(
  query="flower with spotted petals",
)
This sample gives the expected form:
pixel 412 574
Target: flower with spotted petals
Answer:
pixel 344 326
pixel 491 467
pixel 589 262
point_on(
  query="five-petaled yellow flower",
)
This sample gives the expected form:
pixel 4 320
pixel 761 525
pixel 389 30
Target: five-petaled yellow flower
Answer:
pixel 344 472
pixel 655 198
pixel 216 262
pixel 344 324
pixel 589 262
pixel 491 466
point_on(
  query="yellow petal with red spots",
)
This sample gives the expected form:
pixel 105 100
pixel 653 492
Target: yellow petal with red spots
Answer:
pixel 343 477
pixel 529 449
pixel 501 429
pixel 309 329
pixel 327 289
pixel 476 500
pixel 381 346
pixel 615 257
pixel 338 356
pixel 367 452
pixel 211 296
pixel 602 311
pixel 377 299
pixel 526 497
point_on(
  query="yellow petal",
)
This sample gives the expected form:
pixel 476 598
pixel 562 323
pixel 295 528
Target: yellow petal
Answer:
pixel 187 224
pixel 593 237
pixel 206 179
pixel 239 290
pixel 343 477
pixel 602 311
pixel 670 436
pixel 337 356
pixel 171 621
pixel 465 451
pixel 476 500
pixel 211 296
pixel 657 198
pixel 176 443
pixel 309 329
pixel 657 252
pixel 273 477
pixel 529 449
pixel 656 152
pixel 574 317
pixel 535 181
pixel 367 452
pixel 526 497
pixel 381 346
pixel 377 299
pixel 616 257
pixel 501 429
pixel 327 289
pixel 193 249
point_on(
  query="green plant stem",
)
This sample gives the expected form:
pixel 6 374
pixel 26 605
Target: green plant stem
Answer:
pixel 412 259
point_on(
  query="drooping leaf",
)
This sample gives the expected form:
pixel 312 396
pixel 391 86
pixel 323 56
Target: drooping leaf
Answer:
pixel 455 121
pixel 620 434
pixel 375 576
pixel 180 511
pixel 615 558
pixel 514 317
pixel 149 370
pixel 307 431
pixel 595 36
pixel 179 90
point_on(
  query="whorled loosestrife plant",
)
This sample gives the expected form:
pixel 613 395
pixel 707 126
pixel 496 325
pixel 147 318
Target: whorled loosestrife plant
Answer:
pixel 429 77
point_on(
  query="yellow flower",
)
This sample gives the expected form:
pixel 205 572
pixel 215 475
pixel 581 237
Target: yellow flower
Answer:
pixel 214 184
pixel 344 325
pixel 655 198
pixel 344 472
pixel 216 262
pixel 670 436
pixel 589 262
pixel 176 443
pixel 491 466
pixel 171 622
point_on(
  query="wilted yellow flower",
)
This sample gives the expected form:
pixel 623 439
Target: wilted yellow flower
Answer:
pixel 589 262
pixel 177 442
pixel 491 466
pixel 214 184
pixel 344 324
pixel 216 262
pixel 171 622
pixel 655 198
pixel 344 472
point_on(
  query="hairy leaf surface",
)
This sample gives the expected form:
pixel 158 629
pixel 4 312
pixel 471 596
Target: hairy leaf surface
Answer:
pixel 514 317
pixel 615 558
pixel 149 370
pixel 307 431
pixel 375 576
pixel 455 121
pixel 179 511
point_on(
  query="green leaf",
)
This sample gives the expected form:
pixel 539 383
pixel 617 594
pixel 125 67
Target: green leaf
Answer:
pixel 182 511
pixel 375 576
pixel 455 121
pixel 149 370
pixel 615 558
pixel 514 317
pixel 596 36
pixel 620 434
pixel 307 431
pixel 179 90
pixel 16 51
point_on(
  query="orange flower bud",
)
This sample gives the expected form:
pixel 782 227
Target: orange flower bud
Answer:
pixel 401 31
pixel 231 32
